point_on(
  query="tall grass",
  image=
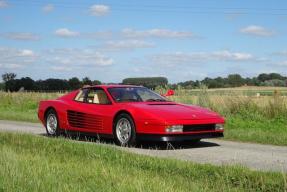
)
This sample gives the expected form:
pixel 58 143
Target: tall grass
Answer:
pixel 22 106
pixel 231 102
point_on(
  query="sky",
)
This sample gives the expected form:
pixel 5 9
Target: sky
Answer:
pixel 112 40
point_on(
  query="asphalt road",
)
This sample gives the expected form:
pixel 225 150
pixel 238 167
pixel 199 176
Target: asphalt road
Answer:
pixel 213 151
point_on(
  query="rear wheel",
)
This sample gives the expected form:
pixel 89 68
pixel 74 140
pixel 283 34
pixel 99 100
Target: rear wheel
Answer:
pixel 52 123
pixel 124 130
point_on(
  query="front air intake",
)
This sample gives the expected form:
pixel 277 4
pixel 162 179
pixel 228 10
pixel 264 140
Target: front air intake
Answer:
pixel 200 127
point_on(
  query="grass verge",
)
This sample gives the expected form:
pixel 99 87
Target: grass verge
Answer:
pixel 34 163
pixel 256 130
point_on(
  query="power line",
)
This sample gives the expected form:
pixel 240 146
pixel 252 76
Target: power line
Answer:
pixel 166 8
pixel 158 6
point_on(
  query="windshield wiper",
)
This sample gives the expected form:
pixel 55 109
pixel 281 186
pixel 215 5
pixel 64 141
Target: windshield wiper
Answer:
pixel 126 100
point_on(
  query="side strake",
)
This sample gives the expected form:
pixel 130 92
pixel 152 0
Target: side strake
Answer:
pixel 84 120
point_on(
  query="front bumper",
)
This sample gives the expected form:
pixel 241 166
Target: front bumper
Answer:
pixel 179 137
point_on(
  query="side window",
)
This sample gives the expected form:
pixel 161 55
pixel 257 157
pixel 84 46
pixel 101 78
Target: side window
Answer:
pixel 80 96
pixel 100 97
pixel 97 96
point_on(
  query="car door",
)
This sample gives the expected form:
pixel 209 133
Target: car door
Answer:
pixel 91 112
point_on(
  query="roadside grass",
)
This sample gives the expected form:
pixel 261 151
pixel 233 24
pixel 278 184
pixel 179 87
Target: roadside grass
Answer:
pixel 36 163
pixel 260 119
pixel 256 130
pixel 22 106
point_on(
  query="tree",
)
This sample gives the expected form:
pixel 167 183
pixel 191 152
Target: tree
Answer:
pixel 2 86
pixel 235 80
pixel 263 77
pixel 8 76
pixel 27 83
pixel 74 83
pixel 11 85
pixel 187 84
pixel 275 83
pixel 276 76
pixel 52 85
pixel 87 81
pixel 97 82
pixel 150 82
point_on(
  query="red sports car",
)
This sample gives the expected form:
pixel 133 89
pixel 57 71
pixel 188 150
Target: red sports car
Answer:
pixel 128 113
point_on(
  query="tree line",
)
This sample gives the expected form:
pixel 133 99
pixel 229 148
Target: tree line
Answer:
pixel 236 80
pixel 232 80
pixel 26 83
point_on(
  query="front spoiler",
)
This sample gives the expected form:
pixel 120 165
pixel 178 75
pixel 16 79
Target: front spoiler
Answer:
pixel 154 137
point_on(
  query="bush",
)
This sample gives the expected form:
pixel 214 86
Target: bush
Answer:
pixel 150 82
pixel 2 86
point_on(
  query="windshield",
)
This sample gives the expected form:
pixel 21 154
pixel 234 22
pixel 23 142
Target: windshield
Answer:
pixel 134 94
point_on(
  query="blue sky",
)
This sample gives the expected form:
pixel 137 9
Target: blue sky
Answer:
pixel 111 40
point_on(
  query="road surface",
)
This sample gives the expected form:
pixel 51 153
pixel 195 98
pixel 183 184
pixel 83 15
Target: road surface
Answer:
pixel 213 151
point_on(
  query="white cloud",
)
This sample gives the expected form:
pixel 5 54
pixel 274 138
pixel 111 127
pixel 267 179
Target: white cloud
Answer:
pixel 281 64
pixel 126 33
pixel 11 58
pixel 21 36
pixel 233 56
pixel 60 68
pixel 98 35
pixel 77 58
pixel 48 8
pixel 158 33
pixel 3 4
pixel 26 53
pixel 64 32
pixel 99 10
pixel 256 30
pixel 12 66
pixel 126 45
pixel 282 53
pixel 177 58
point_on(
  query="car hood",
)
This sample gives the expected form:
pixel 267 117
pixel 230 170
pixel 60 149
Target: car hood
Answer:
pixel 172 110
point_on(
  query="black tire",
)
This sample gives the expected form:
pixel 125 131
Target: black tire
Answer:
pixel 131 141
pixel 55 131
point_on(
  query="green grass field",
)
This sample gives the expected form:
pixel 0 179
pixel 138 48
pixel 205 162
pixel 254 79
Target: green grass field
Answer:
pixel 244 90
pixel 249 117
pixel 36 163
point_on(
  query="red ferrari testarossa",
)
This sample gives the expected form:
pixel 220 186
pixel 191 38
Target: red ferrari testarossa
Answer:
pixel 128 113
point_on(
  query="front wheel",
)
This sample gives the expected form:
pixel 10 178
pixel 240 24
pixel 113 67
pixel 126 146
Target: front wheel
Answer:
pixel 52 123
pixel 124 130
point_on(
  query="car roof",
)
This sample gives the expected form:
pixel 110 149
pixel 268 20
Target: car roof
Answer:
pixel 110 86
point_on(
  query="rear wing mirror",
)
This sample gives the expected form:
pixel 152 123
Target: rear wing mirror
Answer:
pixel 169 92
